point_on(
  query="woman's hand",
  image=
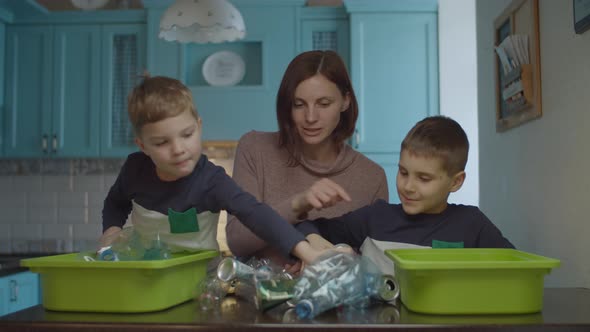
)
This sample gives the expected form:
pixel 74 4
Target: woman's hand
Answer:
pixel 322 194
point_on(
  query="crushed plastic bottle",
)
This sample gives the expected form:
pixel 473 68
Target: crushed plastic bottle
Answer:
pixel 341 279
pixel 211 291
pixel 158 250
pixel 129 245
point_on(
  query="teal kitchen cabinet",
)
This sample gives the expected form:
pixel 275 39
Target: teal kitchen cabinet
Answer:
pixel 325 28
pixel 18 291
pixel 2 52
pixel 28 76
pixel 60 79
pixel 52 91
pixel 394 69
pixel 123 62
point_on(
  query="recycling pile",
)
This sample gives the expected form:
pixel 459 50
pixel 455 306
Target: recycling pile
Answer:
pixel 337 280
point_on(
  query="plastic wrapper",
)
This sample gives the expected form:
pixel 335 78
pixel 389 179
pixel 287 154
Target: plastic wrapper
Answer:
pixel 273 292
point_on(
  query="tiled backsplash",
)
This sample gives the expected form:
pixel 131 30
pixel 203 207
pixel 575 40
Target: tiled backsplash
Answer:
pixel 55 205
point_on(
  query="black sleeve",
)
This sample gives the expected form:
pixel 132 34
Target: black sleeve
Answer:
pixel 307 227
pixel 351 228
pixel 258 217
pixel 117 205
pixel 491 237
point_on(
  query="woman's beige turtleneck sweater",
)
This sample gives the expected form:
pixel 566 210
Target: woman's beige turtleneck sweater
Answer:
pixel 262 168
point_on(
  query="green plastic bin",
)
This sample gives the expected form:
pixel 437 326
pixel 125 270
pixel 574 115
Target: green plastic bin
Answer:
pixel 470 280
pixel 69 283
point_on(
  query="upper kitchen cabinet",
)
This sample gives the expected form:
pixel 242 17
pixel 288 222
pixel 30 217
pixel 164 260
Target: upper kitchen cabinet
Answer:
pixel 123 62
pixel 326 28
pixel 66 84
pixel 2 53
pixel 272 40
pixel 52 91
pixel 26 99
pixel 394 69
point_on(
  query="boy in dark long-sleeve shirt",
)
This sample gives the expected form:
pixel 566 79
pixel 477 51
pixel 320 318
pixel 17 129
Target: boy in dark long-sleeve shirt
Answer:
pixel 432 162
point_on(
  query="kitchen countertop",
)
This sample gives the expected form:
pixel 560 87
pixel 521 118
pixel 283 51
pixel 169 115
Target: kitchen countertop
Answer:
pixel 566 309
pixel 10 264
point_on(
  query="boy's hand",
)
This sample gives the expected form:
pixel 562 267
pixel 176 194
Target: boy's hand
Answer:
pixel 294 269
pixel 109 236
pixel 322 194
pixel 308 254
pixel 322 246
pixel 318 242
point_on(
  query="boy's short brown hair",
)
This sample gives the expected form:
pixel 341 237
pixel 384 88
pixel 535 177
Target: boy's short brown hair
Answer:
pixel 439 137
pixel 157 98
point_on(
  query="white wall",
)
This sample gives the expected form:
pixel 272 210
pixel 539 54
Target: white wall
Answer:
pixel 458 83
pixel 534 178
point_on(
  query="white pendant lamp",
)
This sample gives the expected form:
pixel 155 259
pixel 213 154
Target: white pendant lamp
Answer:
pixel 202 21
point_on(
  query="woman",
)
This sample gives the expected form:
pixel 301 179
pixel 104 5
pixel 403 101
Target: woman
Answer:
pixel 306 170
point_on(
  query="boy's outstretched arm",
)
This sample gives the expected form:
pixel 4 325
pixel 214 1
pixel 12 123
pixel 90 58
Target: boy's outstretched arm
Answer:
pixel 116 209
pixel 108 236
pixel 351 228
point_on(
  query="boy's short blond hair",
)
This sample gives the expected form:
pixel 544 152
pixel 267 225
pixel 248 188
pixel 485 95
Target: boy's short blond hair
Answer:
pixel 439 137
pixel 158 98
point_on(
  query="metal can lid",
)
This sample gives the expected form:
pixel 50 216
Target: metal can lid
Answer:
pixel 388 288
pixel 226 269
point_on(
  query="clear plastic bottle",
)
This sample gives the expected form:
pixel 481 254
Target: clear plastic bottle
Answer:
pixel 341 279
pixel 158 250
pixel 128 246
pixel 331 294
pixel 211 291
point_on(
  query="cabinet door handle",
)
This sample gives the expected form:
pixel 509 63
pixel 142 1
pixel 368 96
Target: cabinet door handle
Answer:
pixel 13 290
pixel 44 143
pixel 54 143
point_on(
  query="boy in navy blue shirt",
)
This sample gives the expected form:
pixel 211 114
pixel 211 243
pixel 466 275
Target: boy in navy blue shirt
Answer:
pixel 431 166
pixel 172 191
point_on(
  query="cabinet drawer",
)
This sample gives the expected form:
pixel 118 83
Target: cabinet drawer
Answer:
pixel 18 291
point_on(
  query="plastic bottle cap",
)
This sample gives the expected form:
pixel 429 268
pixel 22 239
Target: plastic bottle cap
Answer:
pixel 304 309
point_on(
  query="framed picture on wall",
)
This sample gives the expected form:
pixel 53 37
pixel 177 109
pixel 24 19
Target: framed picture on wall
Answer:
pixel 581 15
pixel 518 85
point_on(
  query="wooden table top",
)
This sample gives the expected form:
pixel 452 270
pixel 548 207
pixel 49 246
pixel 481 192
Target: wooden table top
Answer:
pixel 566 309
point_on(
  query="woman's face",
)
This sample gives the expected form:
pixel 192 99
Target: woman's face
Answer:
pixel 316 109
